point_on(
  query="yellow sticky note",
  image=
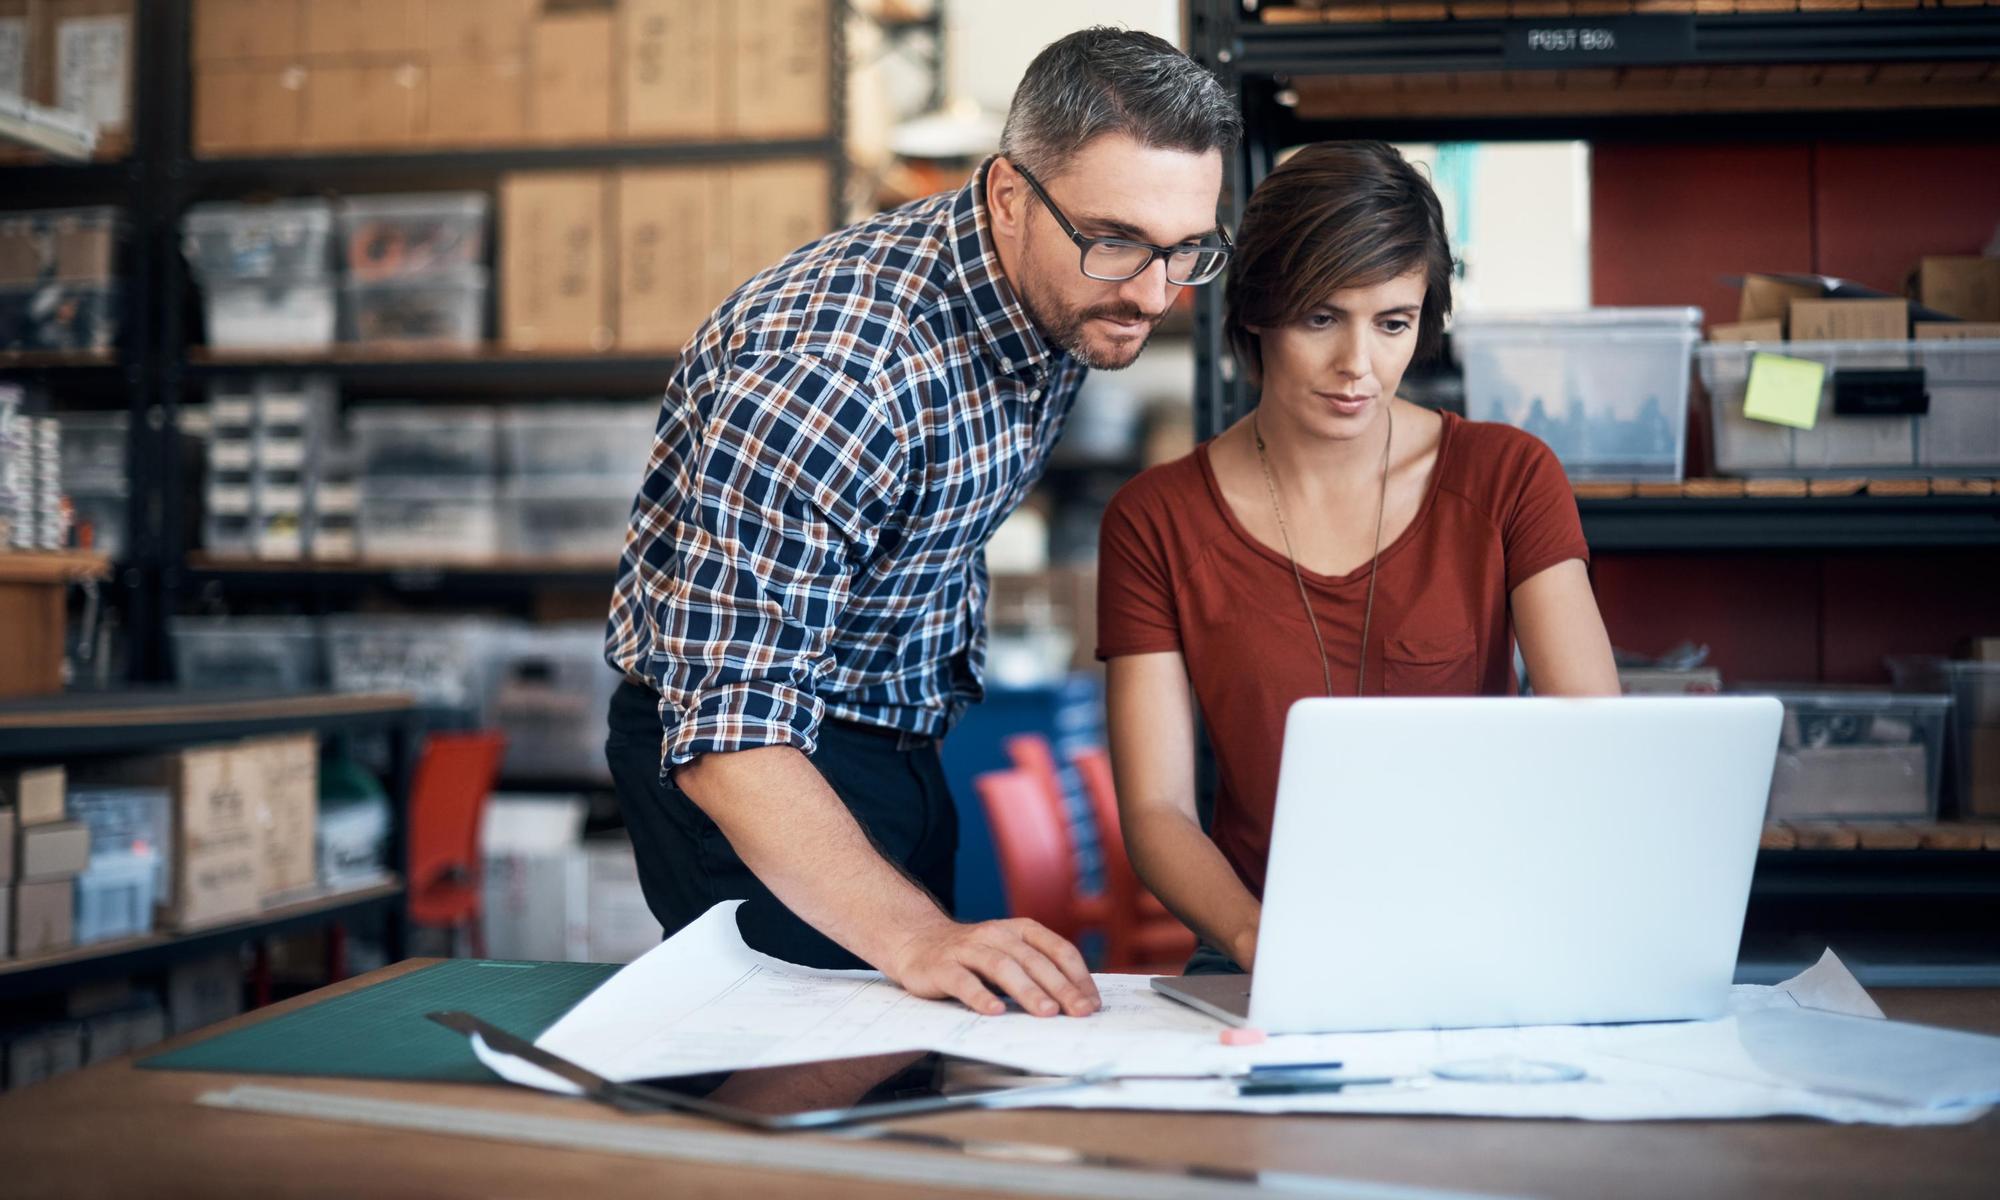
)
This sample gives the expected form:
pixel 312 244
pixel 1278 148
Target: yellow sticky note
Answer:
pixel 1784 391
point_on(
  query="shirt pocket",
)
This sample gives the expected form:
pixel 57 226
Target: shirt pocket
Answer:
pixel 1431 666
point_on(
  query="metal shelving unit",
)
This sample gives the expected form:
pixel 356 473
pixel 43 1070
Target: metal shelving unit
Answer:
pixel 155 370
pixel 1284 74
pixel 82 724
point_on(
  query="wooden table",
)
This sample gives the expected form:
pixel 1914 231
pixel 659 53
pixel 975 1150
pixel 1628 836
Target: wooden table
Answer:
pixel 115 1130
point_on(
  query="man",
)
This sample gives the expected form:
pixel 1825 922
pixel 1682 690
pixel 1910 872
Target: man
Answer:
pixel 800 606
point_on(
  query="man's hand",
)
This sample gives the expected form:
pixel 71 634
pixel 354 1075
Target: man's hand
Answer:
pixel 1026 960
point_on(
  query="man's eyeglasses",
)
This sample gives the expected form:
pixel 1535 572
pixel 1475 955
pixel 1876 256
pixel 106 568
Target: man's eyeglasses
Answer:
pixel 1115 259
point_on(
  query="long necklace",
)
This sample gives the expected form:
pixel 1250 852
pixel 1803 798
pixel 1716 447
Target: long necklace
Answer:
pixel 1298 577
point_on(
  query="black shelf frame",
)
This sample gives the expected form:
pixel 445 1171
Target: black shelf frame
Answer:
pixel 153 372
pixel 1683 524
pixel 152 720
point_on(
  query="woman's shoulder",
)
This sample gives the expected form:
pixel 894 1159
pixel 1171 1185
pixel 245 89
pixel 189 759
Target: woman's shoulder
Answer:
pixel 1492 460
pixel 1165 488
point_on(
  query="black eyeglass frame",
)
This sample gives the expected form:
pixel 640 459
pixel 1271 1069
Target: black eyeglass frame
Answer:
pixel 1225 248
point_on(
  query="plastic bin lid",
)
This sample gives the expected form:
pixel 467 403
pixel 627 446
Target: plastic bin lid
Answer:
pixel 415 204
pixel 1855 698
pixel 222 216
pixel 1580 318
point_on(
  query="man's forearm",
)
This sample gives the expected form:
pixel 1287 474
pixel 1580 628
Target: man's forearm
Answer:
pixel 789 827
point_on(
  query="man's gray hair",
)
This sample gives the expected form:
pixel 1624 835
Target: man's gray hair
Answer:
pixel 1104 80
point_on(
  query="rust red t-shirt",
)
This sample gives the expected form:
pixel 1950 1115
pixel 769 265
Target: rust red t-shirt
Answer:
pixel 1177 571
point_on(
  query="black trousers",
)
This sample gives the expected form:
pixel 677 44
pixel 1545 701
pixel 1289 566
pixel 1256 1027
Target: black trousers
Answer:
pixel 895 787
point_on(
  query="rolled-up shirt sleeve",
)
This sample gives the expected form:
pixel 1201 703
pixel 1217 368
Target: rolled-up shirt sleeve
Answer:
pixel 797 471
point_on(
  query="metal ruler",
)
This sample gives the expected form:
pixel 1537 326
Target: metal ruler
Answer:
pixel 1047 1174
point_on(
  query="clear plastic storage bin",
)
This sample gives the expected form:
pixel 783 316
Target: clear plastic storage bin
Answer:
pixel 608 442
pixel 583 520
pixel 246 653
pixel 394 237
pixel 114 897
pixel 426 444
pixel 550 695
pixel 270 315
pixel 1847 755
pixel 445 662
pixel 1605 388
pixel 443 309
pixel 1975 724
pixel 93 451
pixel 443 523
pixel 59 315
pixel 1924 408
pixel 284 240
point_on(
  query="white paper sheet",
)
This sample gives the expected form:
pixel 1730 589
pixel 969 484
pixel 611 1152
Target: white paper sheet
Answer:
pixel 704 1001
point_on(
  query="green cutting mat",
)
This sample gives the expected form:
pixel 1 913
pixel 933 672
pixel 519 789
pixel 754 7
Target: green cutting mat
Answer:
pixel 380 1032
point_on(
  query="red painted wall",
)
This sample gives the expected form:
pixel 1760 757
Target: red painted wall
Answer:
pixel 1668 222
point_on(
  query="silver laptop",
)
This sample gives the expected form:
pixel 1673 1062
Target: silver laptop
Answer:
pixel 1449 863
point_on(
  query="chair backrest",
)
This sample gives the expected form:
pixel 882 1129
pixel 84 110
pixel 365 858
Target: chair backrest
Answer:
pixel 454 775
pixel 1036 870
pixel 1093 766
pixel 1032 755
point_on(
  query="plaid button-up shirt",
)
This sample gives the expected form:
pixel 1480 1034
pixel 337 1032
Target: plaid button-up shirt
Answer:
pixel 835 448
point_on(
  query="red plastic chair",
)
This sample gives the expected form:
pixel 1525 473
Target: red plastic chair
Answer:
pixel 1033 757
pixel 1037 871
pixel 1140 931
pixel 454 775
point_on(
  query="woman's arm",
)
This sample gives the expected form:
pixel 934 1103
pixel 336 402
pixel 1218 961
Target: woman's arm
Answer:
pixel 1152 756
pixel 1562 634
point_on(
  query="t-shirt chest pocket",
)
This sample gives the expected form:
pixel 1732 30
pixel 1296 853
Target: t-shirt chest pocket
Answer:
pixel 1431 666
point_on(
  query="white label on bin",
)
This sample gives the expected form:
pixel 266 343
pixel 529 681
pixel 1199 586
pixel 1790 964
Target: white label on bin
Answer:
pixel 13 56
pixel 93 69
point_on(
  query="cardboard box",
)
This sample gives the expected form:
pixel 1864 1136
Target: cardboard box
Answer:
pixel 1767 299
pixel 239 29
pixel 43 1052
pixel 213 853
pixel 1850 320
pixel 477 102
pixel 287 812
pixel 1749 331
pixel 248 108
pixel 673 253
pixel 476 29
pixel 675 69
pixel 44 917
pixel 53 850
pixel 1983 649
pixel 34 793
pixel 91 51
pixel 1956 331
pixel 1979 793
pixel 774 208
pixel 781 72
pixel 1964 286
pixel 22 69
pixel 344 28
pixel 372 106
pixel 554 263
pixel 569 77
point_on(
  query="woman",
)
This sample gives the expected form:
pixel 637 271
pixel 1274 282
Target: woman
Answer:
pixel 1336 541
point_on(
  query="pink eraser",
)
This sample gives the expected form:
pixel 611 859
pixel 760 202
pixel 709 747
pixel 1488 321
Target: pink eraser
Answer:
pixel 1242 1037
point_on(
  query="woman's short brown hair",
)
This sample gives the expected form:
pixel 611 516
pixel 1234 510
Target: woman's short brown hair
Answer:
pixel 1335 215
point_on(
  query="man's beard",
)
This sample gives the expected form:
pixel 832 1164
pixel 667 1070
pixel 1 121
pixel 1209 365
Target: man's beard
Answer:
pixel 1064 327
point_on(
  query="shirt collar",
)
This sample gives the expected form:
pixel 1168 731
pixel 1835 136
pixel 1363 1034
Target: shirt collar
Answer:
pixel 1002 320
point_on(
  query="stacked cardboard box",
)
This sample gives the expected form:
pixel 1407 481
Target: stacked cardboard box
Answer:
pixel 281 75
pixel 41 854
pixel 75 55
pixel 638 258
